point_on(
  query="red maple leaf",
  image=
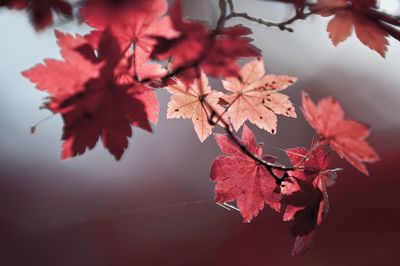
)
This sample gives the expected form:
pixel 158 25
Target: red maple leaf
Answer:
pixel 100 14
pixel 312 163
pixel 309 204
pixel 349 14
pixel 239 177
pixel 346 137
pixel 132 22
pixel 40 11
pixel 86 89
pixel 312 166
pixel 306 193
pixel 215 52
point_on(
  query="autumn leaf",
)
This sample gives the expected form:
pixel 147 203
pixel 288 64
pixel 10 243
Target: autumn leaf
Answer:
pixel 214 51
pixel 86 91
pixel 349 14
pixel 229 44
pixel 188 45
pixel 197 102
pixel 346 137
pixel 239 177
pixel 303 244
pixel 103 14
pixel 306 193
pixel 134 64
pixel 40 11
pixel 312 163
pixel 256 97
pixel 132 22
pixel 312 166
pixel 306 207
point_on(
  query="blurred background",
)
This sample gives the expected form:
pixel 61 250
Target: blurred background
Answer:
pixel 155 206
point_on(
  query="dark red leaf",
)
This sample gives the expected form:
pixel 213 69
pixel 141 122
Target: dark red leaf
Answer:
pixel 306 194
pixel 215 52
pixel 87 91
pixel 132 22
pixel 306 209
pixel 41 11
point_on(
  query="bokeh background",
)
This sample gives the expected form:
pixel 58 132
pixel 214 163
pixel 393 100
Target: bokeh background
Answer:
pixel 155 207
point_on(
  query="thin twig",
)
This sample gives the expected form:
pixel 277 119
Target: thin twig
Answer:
pixel 34 127
pixel 221 19
pixel 281 25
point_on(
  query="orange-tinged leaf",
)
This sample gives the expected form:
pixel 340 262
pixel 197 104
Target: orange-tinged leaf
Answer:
pixel 346 137
pixel 349 14
pixel 371 35
pixel 340 27
pixel 195 102
pixel 255 97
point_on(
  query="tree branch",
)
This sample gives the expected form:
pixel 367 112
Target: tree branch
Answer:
pixel 385 21
pixel 222 17
pixel 269 166
pixel 281 25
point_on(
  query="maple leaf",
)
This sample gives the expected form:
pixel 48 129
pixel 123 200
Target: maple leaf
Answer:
pixel 41 11
pixel 101 14
pixel 85 90
pixel 132 22
pixel 134 64
pixel 312 166
pixel 312 163
pixel 255 97
pixel 307 208
pixel 215 52
pixel 239 177
pixel 229 44
pixel 196 102
pixel 349 14
pixel 186 47
pixel 306 193
pixel 346 137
